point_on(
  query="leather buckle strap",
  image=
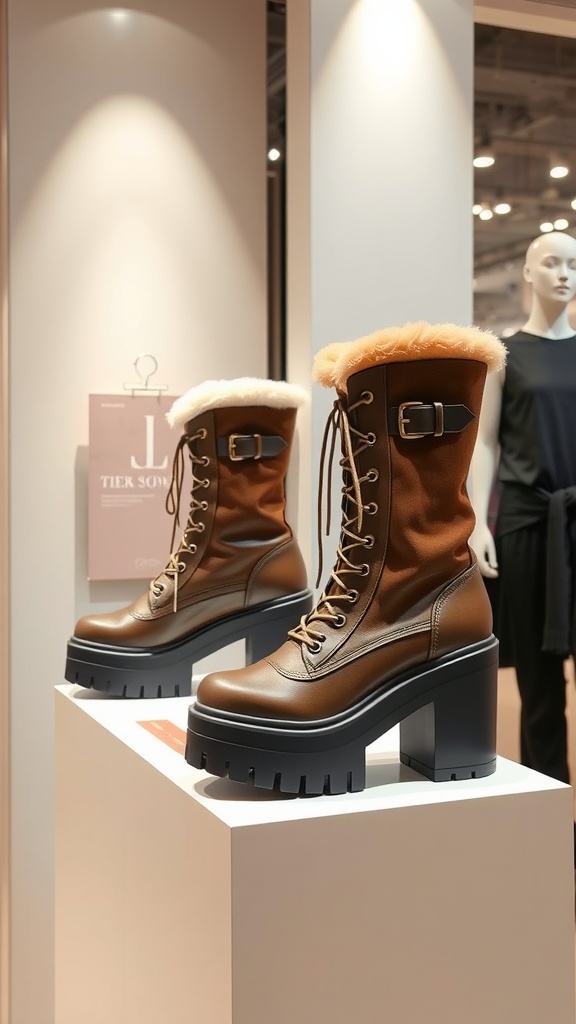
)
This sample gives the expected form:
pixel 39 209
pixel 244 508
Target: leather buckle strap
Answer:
pixel 412 420
pixel 235 454
pixel 240 447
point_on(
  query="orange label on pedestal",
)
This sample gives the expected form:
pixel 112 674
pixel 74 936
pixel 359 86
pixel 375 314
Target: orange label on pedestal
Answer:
pixel 166 731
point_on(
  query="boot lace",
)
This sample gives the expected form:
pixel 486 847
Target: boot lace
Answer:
pixel 176 565
pixel 337 592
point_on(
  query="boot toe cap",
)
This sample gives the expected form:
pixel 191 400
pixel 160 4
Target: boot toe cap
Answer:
pixel 109 627
pixel 257 691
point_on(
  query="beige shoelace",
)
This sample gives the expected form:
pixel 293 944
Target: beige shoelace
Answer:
pixel 307 631
pixel 176 565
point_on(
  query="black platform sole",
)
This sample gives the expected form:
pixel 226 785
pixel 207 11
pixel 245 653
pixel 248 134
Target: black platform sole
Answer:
pixel 447 711
pixel 167 671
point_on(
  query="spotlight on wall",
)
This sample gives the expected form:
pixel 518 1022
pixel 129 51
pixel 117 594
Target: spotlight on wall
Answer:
pixel 558 167
pixel 274 154
pixel 502 208
pixel 484 156
pixel 546 225
pixel 560 224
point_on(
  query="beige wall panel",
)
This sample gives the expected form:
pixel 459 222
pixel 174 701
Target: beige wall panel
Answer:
pixel 137 221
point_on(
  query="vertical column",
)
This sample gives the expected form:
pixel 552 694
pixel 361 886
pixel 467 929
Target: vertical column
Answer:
pixel 137 224
pixel 384 225
pixel 4 554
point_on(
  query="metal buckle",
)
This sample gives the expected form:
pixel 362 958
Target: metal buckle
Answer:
pixel 439 416
pixel 232 453
pixel 404 420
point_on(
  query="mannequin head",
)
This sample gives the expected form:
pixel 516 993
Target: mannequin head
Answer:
pixel 551 268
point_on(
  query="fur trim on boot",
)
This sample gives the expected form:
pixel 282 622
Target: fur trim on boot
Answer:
pixel 404 344
pixel 218 394
pixel 325 363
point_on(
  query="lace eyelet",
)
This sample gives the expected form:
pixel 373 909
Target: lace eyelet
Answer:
pixel 206 483
pixel 372 475
pixel 364 569
pixel 315 647
pixel 202 433
pixel 367 397
pixel 201 527
pixel 181 566
pixel 371 437
pixel 205 460
pixel 369 541
pixel 192 548
pixel 371 509
pixel 203 505
pixel 339 621
pixel 353 596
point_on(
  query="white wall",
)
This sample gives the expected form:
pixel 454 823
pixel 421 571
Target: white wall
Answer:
pixel 137 218
pixel 385 224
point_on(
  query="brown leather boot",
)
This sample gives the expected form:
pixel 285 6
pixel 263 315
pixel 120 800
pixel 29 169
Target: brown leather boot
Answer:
pixel 238 571
pixel 402 631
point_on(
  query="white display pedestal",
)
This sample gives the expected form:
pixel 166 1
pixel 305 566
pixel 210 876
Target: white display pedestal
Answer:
pixel 191 900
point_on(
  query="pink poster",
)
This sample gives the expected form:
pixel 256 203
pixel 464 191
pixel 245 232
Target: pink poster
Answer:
pixel 130 467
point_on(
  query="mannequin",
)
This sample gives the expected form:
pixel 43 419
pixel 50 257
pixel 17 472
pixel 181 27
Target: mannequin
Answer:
pixel 527 433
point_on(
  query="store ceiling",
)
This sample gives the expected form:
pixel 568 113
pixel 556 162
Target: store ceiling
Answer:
pixel 525 109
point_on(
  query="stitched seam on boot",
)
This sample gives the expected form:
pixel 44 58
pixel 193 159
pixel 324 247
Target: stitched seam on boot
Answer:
pixel 261 564
pixel 322 671
pixel 441 601
pixel 202 596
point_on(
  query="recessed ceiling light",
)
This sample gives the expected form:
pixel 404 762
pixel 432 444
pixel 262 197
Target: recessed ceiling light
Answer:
pixel 558 167
pixel 274 154
pixel 502 208
pixel 484 155
pixel 561 224
pixel 484 159
pixel 547 225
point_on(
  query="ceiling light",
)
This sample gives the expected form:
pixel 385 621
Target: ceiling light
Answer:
pixel 561 224
pixel 486 213
pixel 546 226
pixel 274 154
pixel 573 204
pixel 478 206
pixel 502 208
pixel 558 167
pixel 484 156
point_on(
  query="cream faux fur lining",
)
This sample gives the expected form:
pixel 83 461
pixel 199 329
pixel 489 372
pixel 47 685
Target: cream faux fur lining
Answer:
pixel 403 344
pixel 325 363
pixel 216 394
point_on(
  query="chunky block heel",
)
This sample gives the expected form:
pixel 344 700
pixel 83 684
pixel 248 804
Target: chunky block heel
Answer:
pixel 454 736
pixel 271 630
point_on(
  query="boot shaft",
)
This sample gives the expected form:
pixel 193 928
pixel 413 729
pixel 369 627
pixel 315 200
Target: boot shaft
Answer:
pixel 408 408
pixel 417 508
pixel 250 452
pixel 238 435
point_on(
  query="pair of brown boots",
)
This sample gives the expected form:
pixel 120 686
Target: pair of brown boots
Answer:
pixel 402 630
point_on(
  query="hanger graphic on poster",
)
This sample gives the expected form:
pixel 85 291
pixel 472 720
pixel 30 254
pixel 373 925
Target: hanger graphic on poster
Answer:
pixel 143 384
